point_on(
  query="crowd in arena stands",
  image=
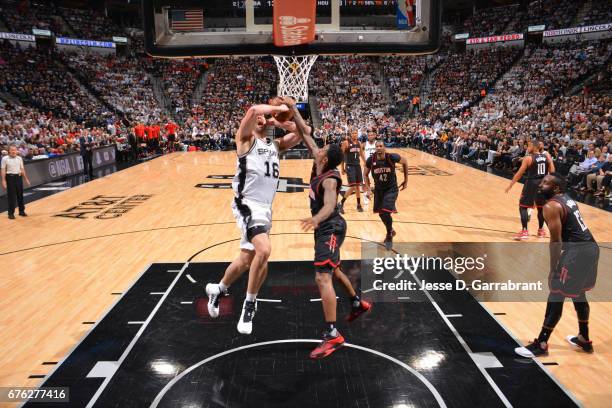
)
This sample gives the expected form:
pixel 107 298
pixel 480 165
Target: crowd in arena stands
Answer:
pixel 404 76
pixel 232 85
pixel 569 127
pixel 349 92
pixel 464 78
pixel 543 72
pixel 553 13
pixel 39 79
pixel 90 24
pixel 599 13
pixel 492 21
pixel 23 16
pixel 179 79
pixel 41 135
pixel 122 82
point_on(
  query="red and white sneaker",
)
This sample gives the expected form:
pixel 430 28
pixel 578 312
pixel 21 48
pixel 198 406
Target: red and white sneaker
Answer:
pixel 542 233
pixel 522 235
pixel 363 307
pixel 327 346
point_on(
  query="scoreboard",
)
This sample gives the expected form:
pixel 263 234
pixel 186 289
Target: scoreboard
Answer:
pixel 264 8
pixel 325 3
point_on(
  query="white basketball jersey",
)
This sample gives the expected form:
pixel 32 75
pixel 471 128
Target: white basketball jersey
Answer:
pixel 369 149
pixel 257 173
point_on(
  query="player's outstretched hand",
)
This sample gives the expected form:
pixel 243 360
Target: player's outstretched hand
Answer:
pixel 284 108
pixel 507 190
pixel 271 122
pixel 403 185
pixel 287 125
pixel 309 224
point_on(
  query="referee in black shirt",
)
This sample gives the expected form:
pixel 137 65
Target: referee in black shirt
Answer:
pixel 86 150
pixel 12 171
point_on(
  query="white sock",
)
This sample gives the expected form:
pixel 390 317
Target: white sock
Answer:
pixel 223 287
pixel 251 297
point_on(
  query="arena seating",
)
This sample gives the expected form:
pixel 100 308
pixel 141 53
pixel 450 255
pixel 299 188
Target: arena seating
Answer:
pixel 232 86
pixel 39 79
pixel 462 78
pixel 180 78
pixel 90 24
pixel 22 17
pixel 349 93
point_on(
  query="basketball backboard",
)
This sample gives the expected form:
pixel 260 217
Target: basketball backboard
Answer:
pixel 191 28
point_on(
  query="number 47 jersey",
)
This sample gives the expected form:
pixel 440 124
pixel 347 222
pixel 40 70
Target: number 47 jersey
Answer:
pixel 257 173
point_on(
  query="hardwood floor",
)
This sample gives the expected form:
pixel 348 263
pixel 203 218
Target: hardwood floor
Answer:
pixel 62 264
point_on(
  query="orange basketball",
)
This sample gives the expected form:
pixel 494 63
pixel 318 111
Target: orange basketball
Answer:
pixel 283 116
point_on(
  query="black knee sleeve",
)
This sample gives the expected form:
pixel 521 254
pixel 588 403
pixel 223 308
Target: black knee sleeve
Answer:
pixel 540 217
pixel 554 310
pixel 582 308
pixel 386 219
pixel 524 217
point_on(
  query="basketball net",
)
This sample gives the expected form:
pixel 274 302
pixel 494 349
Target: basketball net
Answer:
pixel 293 76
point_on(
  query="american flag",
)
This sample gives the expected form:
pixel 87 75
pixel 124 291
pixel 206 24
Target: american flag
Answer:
pixel 187 20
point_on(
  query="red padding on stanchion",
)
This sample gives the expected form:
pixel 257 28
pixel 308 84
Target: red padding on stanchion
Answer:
pixel 294 22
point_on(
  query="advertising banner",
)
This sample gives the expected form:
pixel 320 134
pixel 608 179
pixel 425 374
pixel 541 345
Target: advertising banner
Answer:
pixel 578 30
pixel 84 43
pixel 495 38
pixel 17 37
pixel 294 22
pixel 47 170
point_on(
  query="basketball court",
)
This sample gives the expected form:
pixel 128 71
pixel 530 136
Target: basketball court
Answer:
pixel 104 282
pixel 115 308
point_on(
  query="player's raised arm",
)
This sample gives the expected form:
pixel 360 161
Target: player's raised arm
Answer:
pixel 551 164
pixel 289 140
pixel 524 166
pixel 302 129
pixel 404 162
pixel 366 175
pixel 249 121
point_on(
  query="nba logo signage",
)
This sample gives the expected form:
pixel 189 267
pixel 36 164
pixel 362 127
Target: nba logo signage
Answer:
pixel 59 168
pixel 405 13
